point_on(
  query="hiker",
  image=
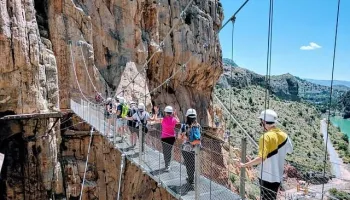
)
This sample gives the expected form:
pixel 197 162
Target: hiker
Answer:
pixel 156 116
pixel 122 111
pixel 168 136
pixel 274 145
pixel 98 98
pixel 108 114
pixel 141 117
pixel 132 124
pixel 191 137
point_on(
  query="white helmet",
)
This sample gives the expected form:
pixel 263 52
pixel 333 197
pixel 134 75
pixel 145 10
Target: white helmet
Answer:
pixel 141 106
pixel 268 116
pixel 109 99
pixel 121 99
pixel 132 103
pixel 191 113
pixel 168 109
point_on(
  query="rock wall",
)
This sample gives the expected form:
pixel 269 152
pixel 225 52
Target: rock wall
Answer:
pixel 31 167
pixel 28 70
pixel 119 36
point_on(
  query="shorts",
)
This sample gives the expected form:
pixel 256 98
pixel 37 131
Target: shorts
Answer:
pixel 108 115
pixel 121 122
pixel 133 129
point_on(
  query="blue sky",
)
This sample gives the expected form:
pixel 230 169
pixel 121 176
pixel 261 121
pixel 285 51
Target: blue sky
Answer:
pixel 296 23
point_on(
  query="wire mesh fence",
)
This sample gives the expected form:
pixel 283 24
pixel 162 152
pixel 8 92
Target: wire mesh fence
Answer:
pixel 211 171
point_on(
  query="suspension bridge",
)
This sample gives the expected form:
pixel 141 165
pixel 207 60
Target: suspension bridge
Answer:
pixel 151 160
pixel 210 182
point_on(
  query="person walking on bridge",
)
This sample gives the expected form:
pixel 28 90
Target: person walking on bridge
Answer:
pixel 168 136
pixel 141 117
pixel 274 145
pixel 132 124
pixel 191 137
pixel 122 111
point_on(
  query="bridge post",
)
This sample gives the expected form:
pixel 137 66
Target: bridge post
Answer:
pixel 197 171
pixel 243 170
pixel 140 143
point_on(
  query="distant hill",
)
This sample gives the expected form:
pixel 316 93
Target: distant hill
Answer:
pixel 328 82
pixel 285 86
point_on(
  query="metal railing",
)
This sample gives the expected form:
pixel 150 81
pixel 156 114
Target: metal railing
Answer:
pixel 214 170
pixel 197 164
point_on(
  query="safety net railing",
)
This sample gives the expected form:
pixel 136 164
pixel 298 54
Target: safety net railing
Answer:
pixel 214 167
pixel 184 165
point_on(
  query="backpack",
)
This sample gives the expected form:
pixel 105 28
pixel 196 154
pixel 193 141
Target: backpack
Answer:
pixel 125 109
pixel 131 112
pixel 194 133
pixel 143 122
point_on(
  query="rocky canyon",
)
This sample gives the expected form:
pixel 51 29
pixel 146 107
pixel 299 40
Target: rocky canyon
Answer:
pixel 56 50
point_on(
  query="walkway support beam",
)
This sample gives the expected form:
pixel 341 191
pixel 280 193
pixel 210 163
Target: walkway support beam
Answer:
pixel 243 170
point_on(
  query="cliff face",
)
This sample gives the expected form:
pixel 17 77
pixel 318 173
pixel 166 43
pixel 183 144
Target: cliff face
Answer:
pixel 119 36
pixel 28 70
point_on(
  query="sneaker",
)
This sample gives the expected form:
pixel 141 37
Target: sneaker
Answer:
pixel 189 181
pixel 167 169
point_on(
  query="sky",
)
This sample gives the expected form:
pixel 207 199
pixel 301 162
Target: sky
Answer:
pixel 302 39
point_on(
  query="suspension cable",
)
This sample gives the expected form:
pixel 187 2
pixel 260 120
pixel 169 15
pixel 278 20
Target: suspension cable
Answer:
pixel 160 45
pixel 331 92
pixel 167 80
pixel 233 29
pixel 86 69
pixel 86 164
pixel 267 79
pixel 234 15
pixel 75 75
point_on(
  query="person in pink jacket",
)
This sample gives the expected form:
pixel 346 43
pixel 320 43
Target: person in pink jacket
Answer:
pixel 168 136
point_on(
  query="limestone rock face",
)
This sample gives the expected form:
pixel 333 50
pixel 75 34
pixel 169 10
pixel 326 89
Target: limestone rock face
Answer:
pixel 31 168
pixel 28 70
pixel 121 35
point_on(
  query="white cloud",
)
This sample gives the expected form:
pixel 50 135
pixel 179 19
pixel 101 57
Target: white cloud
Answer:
pixel 311 46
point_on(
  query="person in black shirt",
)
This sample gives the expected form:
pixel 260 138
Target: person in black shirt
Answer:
pixel 132 124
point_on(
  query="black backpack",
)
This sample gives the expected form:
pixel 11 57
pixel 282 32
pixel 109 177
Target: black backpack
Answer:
pixel 131 112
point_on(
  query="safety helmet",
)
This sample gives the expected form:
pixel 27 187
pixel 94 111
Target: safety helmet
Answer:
pixel 191 113
pixel 109 99
pixel 132 103
pixel 141 106
pixel 168 109
pixel 268 116
pixel 121 99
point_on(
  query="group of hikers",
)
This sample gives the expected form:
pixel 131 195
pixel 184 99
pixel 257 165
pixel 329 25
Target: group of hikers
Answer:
pixel 274 144
pixel 133 117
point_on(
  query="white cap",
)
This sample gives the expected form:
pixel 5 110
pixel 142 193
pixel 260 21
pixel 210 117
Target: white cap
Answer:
pixel 191 113
pixel 268 116
pixel 141 106
pixel 168 109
